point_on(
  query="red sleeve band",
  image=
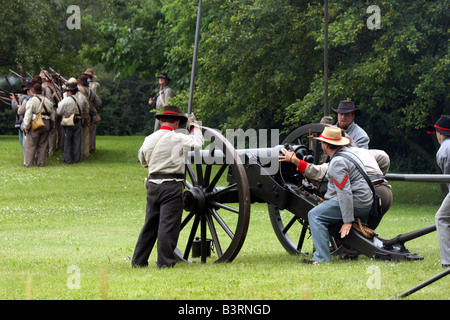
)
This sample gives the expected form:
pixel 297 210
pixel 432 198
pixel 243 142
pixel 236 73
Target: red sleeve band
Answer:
pixel 302 166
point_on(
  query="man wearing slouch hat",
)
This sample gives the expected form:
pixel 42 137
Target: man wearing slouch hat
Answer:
pixel 346 113
pixel 163 154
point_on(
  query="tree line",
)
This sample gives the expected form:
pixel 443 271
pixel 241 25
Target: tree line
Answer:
pixel 260 63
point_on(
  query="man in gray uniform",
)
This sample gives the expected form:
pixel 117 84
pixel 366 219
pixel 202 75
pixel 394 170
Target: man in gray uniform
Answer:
pixel 346 112
pixel 442 130
pixel 163 154
pixel 71 134
pixel 348 194
pixel 161 99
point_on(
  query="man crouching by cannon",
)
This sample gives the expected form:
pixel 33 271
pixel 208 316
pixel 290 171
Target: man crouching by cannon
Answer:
pixel 348 194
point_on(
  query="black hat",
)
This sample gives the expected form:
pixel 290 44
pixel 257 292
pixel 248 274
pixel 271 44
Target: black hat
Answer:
pixel 164 76
pixel 441 126
pixel 347 106
pixel 28 85
pixel 172 111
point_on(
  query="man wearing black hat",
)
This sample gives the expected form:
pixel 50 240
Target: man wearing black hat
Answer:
pixel 71 134
pixel 442 130
pixel 346 112
pixel 161 99
pixel 163 154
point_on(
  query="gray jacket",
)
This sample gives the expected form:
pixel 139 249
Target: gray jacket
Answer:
pixel 358 135
pixel 346 185
pixel 443 156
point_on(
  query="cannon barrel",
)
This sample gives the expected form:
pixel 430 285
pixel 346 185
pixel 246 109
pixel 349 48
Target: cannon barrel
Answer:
pixel 216 156
pixel 436 178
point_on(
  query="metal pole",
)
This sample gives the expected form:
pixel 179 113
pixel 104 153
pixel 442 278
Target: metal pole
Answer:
pixel 325 62
pixel 194 59
pixel 435 178
pixel 423 284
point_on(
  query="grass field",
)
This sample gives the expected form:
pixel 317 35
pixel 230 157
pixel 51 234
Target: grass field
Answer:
pixel 67 232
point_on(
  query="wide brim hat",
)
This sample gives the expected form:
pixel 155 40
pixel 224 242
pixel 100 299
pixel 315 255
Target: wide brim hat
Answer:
pixel 333 135
pixel 72 86
pixel 90 72
pixel 83 80
pixel 172 111
pixel 164 76
pixel 441 126
pixel 347 106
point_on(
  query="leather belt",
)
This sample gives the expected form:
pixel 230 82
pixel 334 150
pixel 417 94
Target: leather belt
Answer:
pixel 379 181
pixel 161 176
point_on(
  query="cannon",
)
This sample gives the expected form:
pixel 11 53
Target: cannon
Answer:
pixel 222 183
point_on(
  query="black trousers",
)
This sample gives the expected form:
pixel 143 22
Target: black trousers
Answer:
pixel 162 224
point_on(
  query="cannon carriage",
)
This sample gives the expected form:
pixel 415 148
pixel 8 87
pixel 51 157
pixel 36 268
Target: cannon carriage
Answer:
pixel 223 182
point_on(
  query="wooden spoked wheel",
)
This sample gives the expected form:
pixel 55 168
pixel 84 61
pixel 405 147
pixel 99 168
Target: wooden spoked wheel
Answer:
pixel 291 230
pixel 217 203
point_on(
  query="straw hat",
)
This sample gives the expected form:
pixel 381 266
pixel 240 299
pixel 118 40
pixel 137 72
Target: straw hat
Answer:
pixel 333 135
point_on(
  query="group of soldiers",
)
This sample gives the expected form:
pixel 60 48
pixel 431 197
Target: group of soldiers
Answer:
pixel 52 117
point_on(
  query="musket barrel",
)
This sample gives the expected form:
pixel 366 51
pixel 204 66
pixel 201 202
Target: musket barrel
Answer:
pixel 436 178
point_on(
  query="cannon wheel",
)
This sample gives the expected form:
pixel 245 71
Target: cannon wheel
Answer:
pixel 207 220
pixel 290 229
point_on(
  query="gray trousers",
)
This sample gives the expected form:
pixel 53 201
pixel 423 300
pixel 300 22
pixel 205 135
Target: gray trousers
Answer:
pixel 443 229
pixel 35 144
pixel 162 224
pixel 72 143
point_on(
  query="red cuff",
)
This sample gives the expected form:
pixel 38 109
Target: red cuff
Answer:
pixel 302 166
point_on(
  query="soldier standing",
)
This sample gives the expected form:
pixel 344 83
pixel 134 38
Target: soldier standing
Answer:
pixel 442 130
pixel 161 99
pixel 94 104
pixel 163 154
pixel 36 142
pixel 94 85
pixel 71 134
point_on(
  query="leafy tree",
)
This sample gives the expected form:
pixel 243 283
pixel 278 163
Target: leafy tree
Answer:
pixel 398 75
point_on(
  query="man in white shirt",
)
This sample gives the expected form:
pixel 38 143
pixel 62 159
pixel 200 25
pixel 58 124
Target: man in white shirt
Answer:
pixel 163 154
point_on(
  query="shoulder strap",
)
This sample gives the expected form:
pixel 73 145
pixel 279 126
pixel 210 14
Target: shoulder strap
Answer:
pixel 363 173
pixel 42 103
pixel 78 106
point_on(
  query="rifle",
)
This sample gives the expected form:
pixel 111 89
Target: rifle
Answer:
pixel 59 93
pixel 22 75
pixel 59 75
pixel 6 101
pixel 12 90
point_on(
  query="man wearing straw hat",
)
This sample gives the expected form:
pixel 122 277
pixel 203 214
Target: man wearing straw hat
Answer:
pixel 163 154
pixel 348 194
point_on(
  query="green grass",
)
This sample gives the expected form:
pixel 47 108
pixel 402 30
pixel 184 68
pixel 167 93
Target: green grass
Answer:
pixel 89 215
